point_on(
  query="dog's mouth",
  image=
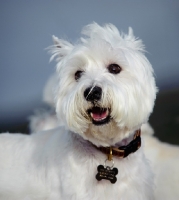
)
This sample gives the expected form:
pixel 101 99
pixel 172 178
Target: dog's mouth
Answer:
pixel 99 115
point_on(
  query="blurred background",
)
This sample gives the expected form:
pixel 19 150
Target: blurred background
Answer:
pixel 26 28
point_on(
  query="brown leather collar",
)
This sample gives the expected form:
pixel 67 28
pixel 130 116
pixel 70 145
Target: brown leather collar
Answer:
pixel 123 151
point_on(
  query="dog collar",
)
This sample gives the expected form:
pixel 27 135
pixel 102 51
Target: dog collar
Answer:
pixel 123 151
pixel 109 173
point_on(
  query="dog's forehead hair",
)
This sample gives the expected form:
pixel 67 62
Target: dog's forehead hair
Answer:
pixel 90 57
pixel 100 47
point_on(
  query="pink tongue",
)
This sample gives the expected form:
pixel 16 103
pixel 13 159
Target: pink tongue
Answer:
pixel 99 116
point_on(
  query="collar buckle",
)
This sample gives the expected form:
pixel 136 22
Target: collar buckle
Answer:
pixel 123 151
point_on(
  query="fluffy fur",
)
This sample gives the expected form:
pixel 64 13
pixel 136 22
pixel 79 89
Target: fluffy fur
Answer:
pixel 62 163
pixel 165 164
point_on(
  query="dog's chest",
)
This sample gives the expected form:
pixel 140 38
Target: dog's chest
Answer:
pixel 78 178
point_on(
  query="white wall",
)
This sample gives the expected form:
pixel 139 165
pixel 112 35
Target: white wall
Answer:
pixel 26 28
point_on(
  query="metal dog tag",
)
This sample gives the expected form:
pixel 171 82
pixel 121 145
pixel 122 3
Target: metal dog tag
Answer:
pixel 107 173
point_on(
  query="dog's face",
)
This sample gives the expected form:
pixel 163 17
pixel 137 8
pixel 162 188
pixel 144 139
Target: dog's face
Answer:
pixel 106 86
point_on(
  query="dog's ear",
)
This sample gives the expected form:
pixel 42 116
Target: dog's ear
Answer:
pixel 60 49
pixel 133 42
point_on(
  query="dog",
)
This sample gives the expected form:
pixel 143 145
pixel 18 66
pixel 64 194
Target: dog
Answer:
pixel 162 156
pixel 104 92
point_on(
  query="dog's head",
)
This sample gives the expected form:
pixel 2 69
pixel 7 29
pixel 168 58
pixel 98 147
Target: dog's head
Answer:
pixel 106 87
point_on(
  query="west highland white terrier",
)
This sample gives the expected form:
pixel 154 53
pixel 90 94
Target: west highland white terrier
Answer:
pixel 104 93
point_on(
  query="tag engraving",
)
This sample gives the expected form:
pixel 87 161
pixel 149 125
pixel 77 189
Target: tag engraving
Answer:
pixel 107 173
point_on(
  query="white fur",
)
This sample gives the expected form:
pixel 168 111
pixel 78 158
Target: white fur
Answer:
pixel 165 164
pixel 62 163
pixel 43 120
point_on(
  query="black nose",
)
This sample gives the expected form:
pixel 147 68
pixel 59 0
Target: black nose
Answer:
pixel 93 93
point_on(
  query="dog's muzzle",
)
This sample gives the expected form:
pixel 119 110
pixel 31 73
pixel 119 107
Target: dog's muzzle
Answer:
pixel 99 115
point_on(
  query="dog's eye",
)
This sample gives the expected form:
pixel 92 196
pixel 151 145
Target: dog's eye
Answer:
pixel 78 75
pixel 114 69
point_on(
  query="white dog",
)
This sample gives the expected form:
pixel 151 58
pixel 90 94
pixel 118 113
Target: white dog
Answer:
pixel 105 91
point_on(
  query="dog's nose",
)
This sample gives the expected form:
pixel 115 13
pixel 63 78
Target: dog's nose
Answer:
pixel 93 93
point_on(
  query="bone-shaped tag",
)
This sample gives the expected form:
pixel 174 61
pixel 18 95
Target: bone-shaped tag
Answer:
pixel 107 173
